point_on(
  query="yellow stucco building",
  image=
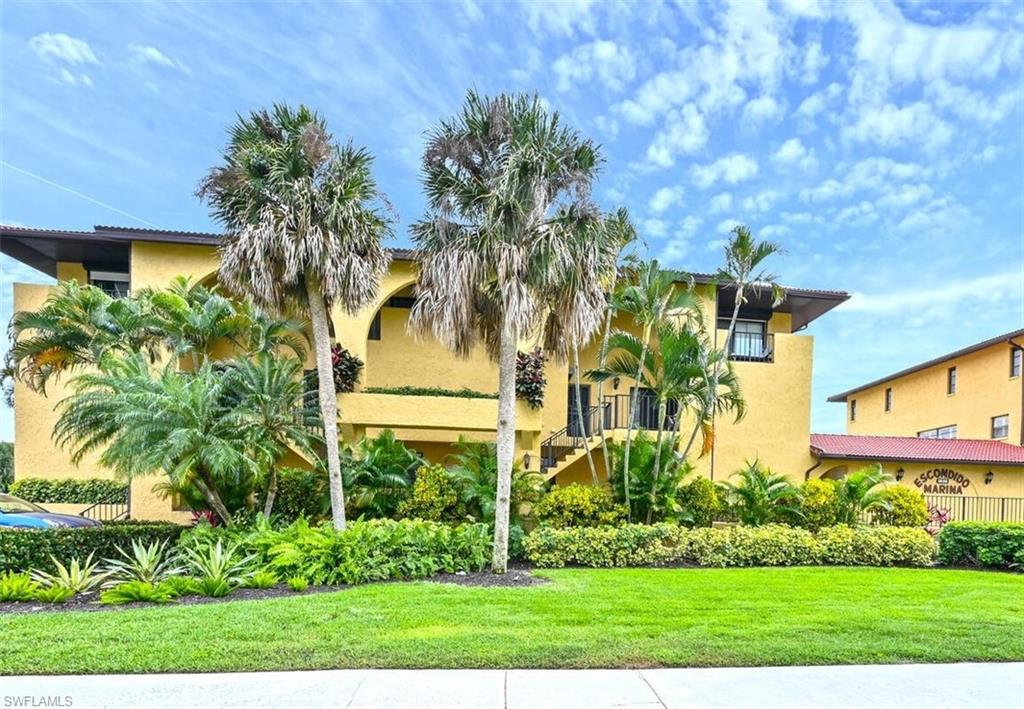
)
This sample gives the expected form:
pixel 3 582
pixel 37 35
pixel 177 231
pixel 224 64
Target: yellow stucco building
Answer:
pixel 950 427
pixel 773 361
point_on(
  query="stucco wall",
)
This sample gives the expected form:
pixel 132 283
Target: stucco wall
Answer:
pixel 920 402
pixel 1007 480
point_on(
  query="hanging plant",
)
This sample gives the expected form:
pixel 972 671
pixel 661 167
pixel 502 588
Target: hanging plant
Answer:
pixel 346 368
pixel 530 381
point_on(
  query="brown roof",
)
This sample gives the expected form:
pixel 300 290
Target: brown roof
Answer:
pixel 998 339
pixel 940 450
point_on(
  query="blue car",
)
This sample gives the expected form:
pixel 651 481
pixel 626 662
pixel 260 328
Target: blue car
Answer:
pixel 16 513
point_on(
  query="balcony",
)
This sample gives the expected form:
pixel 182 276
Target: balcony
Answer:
pixel 362 410
pixel 752 347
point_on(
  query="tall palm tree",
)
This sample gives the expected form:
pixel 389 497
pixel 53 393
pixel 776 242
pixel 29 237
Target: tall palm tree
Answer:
pixel 674 368
pixel 272 390
pixel 303 221
pixel 200 436
pixel 504 180
pixel 742 271
pixel 648 299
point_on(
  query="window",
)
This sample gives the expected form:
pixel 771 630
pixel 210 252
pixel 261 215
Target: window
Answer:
pixel 113 284
pixel 951 380
pixel 1016 355
pixel 940 432
pixel 888 399
pixel 1001 426
pixel 748 340
pixel 374 333
pixel 853 409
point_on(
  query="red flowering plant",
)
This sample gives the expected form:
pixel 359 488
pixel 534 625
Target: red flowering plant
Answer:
pixel 346 367
pixel 937 518
pixel 530 381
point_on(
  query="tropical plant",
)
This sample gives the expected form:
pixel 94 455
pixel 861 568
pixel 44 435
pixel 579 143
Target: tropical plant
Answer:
pixel 199 438
pixel 137 591
pixel 530 379
pixel 146 563
pixel 474 470
pixel 214 564
pixel 304 221
pixel 860 492
pixel 657 497
pixel 6 465
pixel 298 584
pixel 578 505
pixel 819 504
pixel 17 587
pixel 742 272
pixel 53 595
pixel 907 508
pixel 434 496
pixel 761 496
pixel 345 367
pixel 506 185
pixel 264 578
pixel 77 577
pixel 272 392
pixel 179 586
pixel 378 473
pixel 701 502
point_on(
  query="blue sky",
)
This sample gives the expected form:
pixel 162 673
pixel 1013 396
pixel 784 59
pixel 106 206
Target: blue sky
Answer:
pixel 880 144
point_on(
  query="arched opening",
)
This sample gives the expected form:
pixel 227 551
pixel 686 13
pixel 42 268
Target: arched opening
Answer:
pixel 837 472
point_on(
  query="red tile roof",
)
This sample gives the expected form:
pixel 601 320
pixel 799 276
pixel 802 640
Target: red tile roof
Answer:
pixel 952 450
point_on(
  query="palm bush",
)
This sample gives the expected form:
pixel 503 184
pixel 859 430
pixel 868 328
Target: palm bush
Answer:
pixel 303 221
pixel 53 595
pixel 762 497
pixel 474 470
pixel 215 565
pixel 150 564
pixel 17 587
pixel 264 578
pixel 137 591
pixel 77 577
pixel 650 495
pixel 378 474
pixel 862 492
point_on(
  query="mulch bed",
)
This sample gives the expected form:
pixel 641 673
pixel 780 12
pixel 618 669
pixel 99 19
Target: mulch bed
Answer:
pixel 517 577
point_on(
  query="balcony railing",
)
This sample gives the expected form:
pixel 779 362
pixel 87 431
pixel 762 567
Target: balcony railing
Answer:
pixel 752 347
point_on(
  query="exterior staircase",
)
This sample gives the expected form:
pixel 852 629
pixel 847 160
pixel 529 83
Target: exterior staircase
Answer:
pixel 565 446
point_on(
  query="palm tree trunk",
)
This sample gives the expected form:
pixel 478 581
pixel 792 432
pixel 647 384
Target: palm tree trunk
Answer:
pixel 506 435
pixel 580 414
pixel 631 418
pixel 713 393
pixel 602 358
pixel 205 485
pixel 268 504
pixel 662 408
pixel 327 396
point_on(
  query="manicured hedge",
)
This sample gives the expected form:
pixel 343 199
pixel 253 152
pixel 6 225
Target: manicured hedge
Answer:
pixel 463 393
pixel 67 490
pixel 21 550
pixel 772 545
pixel 991 544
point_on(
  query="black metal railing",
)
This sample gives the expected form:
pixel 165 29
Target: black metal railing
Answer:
pixel 962 508
pixel 564 441
pixel 117 505
pixel 752 347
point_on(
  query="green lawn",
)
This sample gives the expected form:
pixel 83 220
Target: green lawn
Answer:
pixel 584 618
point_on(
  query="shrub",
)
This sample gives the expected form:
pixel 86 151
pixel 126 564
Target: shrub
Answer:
pixel 700 501
pixel 68 490
pixel 903 507
pixel 54 594
pixel 301 493
pixel 650 500
pixel 462 393
pixel 819 504
pixel 474 470
pixel 626 545
pixel 146 563
pixel 861 492
pixel 17 587
pixel 179 586
pixel 434 497
pixel 530 380
pixel 214 587
pixel 374 550
pixel 770 545
pixel 21 550
pixel 516 543
pixel 137 592
pixel 6 464
pixel 346 367
pixel 377 474
pixel 578 506
pixel 991 544
pixel 214 563
pixel 298 584
pixel 77 576
pixel 262 579
pixel 761 496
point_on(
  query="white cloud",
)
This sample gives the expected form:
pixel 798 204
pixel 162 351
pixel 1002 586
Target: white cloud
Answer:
pixel 861 213
pixel 875 173
pixel 655 227
pixel 818 101
pixel 727 225
pixel 987 154
pixel 774 230
pixel 666 197
pixel 656 96
pixel 761 202
pixel 761 109
pixel 61 47
pixel 684 133
pixel 906 196
pixel 560 18
pixel 997 288
pixel 794 153
pixel 733 169
pixel 610 63
pixel 720 203
pixel 814 61
pixel 892 126
pixel 679 245
pixel 151 55
pixel 974 105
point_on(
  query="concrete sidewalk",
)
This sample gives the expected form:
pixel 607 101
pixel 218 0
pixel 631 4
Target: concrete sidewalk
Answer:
pixel 876 686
